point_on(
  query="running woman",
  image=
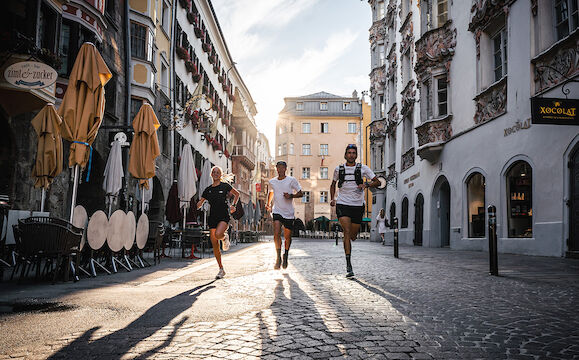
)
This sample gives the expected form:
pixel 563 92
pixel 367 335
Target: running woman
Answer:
pixel 350 202
pixel 216 194
pixel 282 194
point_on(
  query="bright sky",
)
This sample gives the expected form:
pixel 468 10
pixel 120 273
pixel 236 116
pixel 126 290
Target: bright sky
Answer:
pixel 287 48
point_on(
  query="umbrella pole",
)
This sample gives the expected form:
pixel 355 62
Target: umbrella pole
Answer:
pixel 74 189
pixel 110 205
pixel 43 199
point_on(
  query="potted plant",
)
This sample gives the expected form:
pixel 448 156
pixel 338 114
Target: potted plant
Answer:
pixel 205 89
pixel 226 153
pixel 186 4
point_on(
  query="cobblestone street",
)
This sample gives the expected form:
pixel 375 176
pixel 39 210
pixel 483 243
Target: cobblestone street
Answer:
pixel 429 304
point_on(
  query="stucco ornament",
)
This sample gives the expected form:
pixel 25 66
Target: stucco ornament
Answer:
pixel 408 97
pixel 407 160
pixel 434 132
pixel 434 48
pixel 378 130
pixel 492 102
pixel 378 79
pixel 558 63
pixel 392 120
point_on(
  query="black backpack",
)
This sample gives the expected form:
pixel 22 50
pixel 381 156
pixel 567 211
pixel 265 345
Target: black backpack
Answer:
pixel 357 175
pixel 239 212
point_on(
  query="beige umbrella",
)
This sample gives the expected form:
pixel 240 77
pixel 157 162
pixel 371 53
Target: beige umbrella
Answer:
pixel 49 151
pixel 145 147
pixel 82 108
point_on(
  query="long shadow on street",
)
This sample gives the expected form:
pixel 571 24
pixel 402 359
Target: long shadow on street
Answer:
pixel 116 344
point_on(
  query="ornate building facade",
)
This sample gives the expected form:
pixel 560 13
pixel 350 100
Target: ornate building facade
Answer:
pixel 466 104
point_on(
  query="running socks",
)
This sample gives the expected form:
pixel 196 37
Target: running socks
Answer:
pixel 348 261
pixel 278 259
pixel 285 255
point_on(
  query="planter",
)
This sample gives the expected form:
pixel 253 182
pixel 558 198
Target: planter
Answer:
pixel 211 59
pixel 182 53
pixel 192 18
pixel 198 32
pixel 196 77
pixel 216 69
pixel 206 47
pixel 190 66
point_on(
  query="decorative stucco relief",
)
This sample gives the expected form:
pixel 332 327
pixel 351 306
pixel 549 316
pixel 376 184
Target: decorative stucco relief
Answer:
pixel 557 64
pixel 435 48
pixel 492 102
pixel 436 131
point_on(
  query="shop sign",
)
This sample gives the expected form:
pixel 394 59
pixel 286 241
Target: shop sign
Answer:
pixel 554 111
pixel 519 125
pixel 30 75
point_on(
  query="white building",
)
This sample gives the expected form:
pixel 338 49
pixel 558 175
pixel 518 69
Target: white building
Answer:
pixel 452 83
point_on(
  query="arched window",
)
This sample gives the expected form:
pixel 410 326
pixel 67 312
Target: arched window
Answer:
pixel 475 195
pixel 392 213
pixel 519 200
pixel 404 220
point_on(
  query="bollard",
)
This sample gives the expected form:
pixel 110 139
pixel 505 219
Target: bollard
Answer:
pixel 395 225
pixel 493 251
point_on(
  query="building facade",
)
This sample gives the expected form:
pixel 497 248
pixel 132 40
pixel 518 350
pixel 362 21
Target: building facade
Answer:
pixel 312 133
pixel 452 84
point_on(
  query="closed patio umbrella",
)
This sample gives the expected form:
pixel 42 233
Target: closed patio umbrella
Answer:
pixel 205 180
pixel 257 215
pixel 186 180
pixel 49 151
pixel 113 174
pixel 82 109
pixel 145 146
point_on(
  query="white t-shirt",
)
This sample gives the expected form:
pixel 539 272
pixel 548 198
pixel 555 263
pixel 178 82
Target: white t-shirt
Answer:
pixel 281 205
pixel 349 194
pixel 381 222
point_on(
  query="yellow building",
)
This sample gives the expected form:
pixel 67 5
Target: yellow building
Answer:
pixel 312 133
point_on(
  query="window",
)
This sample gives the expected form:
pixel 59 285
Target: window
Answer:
pixel 380 12
pixel 500 54
pixel 391 91
pixel 323 106
pixel 110 8
pixel 48 24
pixel 138 41
pixel 475 195
pixel 164 78
pixel 111 95
pixel 280 129
pixel 392 213
pixel 382 107
pixel 442 11
pixel 391 149
pixel 291 127
pixel 380 157
pixel 408 136
pixel 426 101
pixel 441 95
pixel 404 220
pixel 291 149
pixel 292 171
pixel 346 106
pixel 381 58
pixel 324 128
pixel 306 173
pixel 306 197
pixel 351 128
pixel 165 17
pixel 72 36
pixel 519 200
pixel 279 150
pixel 406 68
pixel 323 196
pixel 323 173
pixel 166 134
pixel 299 106
pixel 323 149
pixel 136 104
pixel 306 149
pixel 566 17
pixel 284 149
pixel 306 128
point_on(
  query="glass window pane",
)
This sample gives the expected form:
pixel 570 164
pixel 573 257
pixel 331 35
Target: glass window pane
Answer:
pixel 476 205
pixel 519 200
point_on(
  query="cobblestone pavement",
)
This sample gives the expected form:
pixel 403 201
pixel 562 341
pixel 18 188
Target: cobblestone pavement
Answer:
pixel 429 304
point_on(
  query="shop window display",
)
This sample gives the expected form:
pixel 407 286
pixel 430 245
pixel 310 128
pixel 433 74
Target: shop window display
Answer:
pixel 476 205
pixel 519 200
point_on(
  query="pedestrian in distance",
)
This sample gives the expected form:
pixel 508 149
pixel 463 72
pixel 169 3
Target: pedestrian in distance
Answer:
pixel 282 193
pixel 350 202
pixel 216 194
pixel 381 224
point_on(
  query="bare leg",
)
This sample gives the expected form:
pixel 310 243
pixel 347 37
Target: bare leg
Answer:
pixel 216 235
pixel 287 234
pixel 277 241
pixel 346 222
pixel 354 228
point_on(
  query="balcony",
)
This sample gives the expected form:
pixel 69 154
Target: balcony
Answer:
pixel 432 135
pixel 491 102
pixel 244 155
pixel 378 79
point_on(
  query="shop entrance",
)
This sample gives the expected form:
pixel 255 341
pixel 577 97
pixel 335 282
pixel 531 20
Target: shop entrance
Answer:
pixel 440 210
pixel 574 202
pixel 418 219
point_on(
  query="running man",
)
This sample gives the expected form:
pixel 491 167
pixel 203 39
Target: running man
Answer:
pixel 350 202
pixel 282 193
pixel 218 221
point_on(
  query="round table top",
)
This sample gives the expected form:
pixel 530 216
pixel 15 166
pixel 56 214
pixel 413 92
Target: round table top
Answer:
pixel 115 230
pixel 96 232
pixel 129 229
pixel 80 220
pixel 142 231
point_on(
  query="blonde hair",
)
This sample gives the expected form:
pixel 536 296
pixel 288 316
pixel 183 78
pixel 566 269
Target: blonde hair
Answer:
pixel 228 178
pixel 382 213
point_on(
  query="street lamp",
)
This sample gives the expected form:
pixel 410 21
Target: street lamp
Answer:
pixel 227 111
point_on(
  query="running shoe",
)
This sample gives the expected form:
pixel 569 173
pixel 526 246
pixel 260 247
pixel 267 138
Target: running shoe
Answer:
pixel 285 256
pixel 349 272
pixel 220 274
pixel 277 264
pixel 225 242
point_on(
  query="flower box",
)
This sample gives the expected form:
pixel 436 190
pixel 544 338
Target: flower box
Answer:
pixel 182 53
pixel 185 4
pixel 211 59
pixel 192 17
pixel 190 66
pixel 232 97
pixel 225 88
pixel 206 47
pixel 216 69
pixel 198 32
pixel 220 78
pixel 196 77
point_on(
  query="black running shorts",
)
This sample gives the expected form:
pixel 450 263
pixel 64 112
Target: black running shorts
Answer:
pixel 287 223
pixel 355 213
pixel 212 221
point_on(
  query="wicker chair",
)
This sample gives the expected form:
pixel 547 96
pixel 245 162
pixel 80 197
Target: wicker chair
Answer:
pixel 49 238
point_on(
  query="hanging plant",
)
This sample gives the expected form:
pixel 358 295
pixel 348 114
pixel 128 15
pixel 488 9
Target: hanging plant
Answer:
pixel 192 18
pixel 182 53
pixel 190 66
pixel 225 88
pixel 186 4
pixel 216 69
pixel 198 32
pixel 206 47
pixel 211 59
pixel 196 77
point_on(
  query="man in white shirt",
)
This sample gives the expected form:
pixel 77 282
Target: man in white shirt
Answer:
pixel 350 202
pixel 282 193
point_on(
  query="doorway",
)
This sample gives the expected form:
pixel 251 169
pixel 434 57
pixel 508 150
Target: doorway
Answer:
pixel 574 204
pixel 418 219
pixel 444 214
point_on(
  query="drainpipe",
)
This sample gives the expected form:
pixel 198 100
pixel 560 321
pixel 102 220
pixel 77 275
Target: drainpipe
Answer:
pixel 127 96
pixel 171 86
